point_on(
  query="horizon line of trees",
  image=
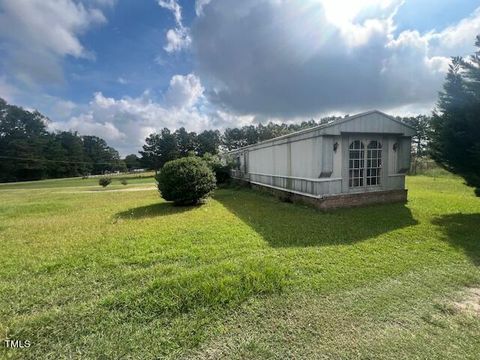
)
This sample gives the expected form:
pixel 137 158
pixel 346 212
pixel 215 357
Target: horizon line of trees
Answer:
pixel 29 152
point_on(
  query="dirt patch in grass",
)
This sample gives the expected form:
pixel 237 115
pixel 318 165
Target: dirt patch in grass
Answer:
pixel 470 302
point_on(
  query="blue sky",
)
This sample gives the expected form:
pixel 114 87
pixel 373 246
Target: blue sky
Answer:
pixel 121 69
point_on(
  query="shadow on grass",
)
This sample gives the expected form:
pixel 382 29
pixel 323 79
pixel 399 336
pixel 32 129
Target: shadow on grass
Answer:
pixel 154 210
pixel 290 225
pixel 462 232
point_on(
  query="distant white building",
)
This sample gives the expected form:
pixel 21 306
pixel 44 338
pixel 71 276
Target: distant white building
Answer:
pixel 357 160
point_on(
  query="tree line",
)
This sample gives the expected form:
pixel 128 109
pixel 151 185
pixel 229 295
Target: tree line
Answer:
pixel 29 152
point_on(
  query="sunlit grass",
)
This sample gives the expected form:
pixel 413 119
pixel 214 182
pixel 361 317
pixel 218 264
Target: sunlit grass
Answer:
pixel 89 273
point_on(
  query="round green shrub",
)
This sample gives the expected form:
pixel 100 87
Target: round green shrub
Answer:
pixel 186 181
pixel 104 181
pixel 124 182
pixel 220 169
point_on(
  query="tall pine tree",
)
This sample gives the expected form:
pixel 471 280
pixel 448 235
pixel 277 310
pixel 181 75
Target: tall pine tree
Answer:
pixel 456 125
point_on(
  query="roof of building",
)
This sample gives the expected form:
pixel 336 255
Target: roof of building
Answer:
pixel 323 126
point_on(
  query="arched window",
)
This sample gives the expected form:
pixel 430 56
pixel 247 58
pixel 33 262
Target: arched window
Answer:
pixel 374 163
pixel 356 164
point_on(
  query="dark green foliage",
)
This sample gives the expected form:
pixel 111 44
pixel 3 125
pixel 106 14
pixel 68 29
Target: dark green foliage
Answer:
pixel 158 149
pixel 186 142
pixel 101 156
pixel 238 137
pixel 132 162
pixel 208 141
pixel 456 137
pixel 220 168
pixel 104 181
pixel 186 181
pixel 29 152
pixel 124 182
pixel 23 135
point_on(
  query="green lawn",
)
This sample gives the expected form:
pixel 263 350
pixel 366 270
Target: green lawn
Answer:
pixel 95 273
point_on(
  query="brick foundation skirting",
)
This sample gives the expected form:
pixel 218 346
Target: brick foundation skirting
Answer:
pixel 341 200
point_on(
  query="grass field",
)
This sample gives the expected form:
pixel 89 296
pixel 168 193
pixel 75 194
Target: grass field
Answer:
pixel 95 273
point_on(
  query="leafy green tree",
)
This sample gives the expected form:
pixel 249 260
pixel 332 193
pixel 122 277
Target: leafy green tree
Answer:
pixel 220 167
pixel 208 142
pixel 22 139
pixel 234 139
pixel 29 152
pixel 186 142
pixel 102 158
pixel 456 124
pixel 158 149
pixel 75 161
pixel 132 162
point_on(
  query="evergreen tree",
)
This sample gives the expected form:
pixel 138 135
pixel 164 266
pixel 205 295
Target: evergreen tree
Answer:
pixel 208 142
pixel 159 149
pixel 29 152
pixel 186 142
pixel 132 162
pixel 23 136
pixel 456 137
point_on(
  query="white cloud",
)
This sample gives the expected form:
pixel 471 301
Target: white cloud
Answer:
pixel 177 38
pixel 455 40
pixel 125 123
pixel 39 33
pixel 288 59
pixel 184 91
pixel 199 5
pixel 174 7
pixel 122 80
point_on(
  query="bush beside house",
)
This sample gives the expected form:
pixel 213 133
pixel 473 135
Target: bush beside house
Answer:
pixel 186 181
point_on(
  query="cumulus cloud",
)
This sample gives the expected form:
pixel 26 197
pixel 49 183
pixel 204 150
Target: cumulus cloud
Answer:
pixel 125 123
pixel 184 91
pixel 37 34
pixel 177 38
pixel 285 58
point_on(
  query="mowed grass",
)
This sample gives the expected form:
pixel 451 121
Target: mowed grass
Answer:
pixel 132 178
pixel 123 274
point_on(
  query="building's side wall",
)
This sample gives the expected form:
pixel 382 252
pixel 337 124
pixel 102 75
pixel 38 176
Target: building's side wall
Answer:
pixel 306 166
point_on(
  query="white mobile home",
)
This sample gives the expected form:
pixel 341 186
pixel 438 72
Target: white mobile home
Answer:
pixel 356 160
